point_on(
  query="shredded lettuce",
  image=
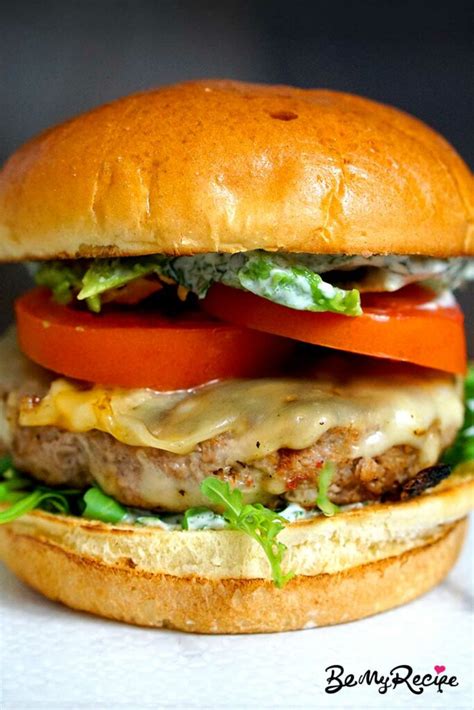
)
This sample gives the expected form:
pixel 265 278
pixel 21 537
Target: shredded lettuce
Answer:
pixel 462 450
pixel 256 521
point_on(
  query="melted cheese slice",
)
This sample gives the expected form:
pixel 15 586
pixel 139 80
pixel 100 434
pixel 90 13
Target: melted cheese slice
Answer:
pixel 263 415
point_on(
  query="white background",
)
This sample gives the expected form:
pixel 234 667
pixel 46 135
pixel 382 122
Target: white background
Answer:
pixel 53 658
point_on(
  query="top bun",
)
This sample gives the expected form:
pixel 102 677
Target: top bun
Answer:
pixel 225 166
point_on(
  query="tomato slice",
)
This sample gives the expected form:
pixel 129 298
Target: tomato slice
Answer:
pixel 128 349
pixel 407 325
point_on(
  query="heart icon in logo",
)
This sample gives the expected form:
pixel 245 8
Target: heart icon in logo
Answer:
pixel 440 669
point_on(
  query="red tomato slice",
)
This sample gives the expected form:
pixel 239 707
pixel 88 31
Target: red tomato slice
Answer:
pixel 129 350
pixel 406 325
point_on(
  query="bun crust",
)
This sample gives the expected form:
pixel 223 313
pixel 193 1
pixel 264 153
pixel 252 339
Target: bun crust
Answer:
pixel 226 166
pixel 358 563
pixel 230 606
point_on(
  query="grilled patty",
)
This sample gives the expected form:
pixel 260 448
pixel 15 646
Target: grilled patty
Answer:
pixel 152 478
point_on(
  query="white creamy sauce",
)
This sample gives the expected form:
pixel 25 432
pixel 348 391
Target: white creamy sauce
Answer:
pixel 374 273
pixel 390 272
pixel 294 512
pixel 208 520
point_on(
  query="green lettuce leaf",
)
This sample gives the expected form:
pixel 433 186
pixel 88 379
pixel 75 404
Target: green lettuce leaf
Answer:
pixel 462 450
pixel 106 274
pixel 256 521
pixel 63 278
pixel 23 494
pixel 100 506
pixel 6 466
pixel 324 481
pixel 24 503
pixel 295 286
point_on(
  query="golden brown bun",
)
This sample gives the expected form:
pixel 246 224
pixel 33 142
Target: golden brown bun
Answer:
pixel 226 166
pixel 357 563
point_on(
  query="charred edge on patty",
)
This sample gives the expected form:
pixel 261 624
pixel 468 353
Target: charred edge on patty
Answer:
pixel 422 481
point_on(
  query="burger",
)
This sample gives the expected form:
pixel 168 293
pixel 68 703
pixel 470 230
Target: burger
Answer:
pixel 235 400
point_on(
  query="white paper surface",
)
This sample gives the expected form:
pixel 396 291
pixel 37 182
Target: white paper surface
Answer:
pixel 53 658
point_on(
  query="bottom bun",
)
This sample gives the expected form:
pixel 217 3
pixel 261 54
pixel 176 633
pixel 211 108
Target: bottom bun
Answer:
pixel 355 564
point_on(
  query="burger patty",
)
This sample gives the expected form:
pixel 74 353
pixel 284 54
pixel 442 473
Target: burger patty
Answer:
pixel 151 478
